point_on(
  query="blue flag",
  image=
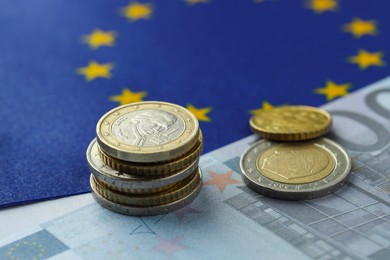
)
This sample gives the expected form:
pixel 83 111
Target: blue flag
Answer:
pixel 63 64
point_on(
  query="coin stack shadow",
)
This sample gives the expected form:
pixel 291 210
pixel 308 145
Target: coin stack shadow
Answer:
pixel 145 186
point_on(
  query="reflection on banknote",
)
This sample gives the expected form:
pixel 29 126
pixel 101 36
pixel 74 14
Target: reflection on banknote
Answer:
pixel 229 221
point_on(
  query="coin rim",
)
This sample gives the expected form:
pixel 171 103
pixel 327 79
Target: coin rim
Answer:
pixel 179 190
pixel 134 182
pixel 291 136
pixel 147 211
pixel 155 169
pixel 275 189
pixel 164 152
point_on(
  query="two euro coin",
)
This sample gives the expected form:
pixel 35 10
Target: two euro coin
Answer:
pixel 144 160
pixel 294 162
pixel 295 171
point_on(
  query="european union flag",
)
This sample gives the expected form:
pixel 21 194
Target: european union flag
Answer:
pixel 63 64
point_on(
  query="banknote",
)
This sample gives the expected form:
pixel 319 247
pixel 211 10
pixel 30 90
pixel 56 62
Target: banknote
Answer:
pixel 229 221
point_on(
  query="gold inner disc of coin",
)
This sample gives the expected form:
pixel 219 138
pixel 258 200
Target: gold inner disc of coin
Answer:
pixel 295 163
pixel 291 123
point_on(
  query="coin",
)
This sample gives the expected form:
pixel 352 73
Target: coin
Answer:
pixel 147 132
pixel 152 169
pixel 146 211
pixel 175 192
pixel 295 171
pixel 128 182
pixel 291 123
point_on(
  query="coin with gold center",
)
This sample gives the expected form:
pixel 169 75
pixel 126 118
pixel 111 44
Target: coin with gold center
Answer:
pixel 303 170
pixel 132 183
pixel 146 132
pixel 291 123
pixel 155 169
pixel 147 210
pixel 178 191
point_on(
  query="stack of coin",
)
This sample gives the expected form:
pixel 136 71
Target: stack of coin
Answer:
pixel 144 160
pixel 294 162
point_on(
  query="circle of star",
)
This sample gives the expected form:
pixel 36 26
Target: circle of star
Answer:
pixel 265 106
pixel 99 38
pixel 321 6
pixel 333 90
pixel 359 27
pixel 95 70
pixel 366 59
pixel 128 96
pixel 200 113
pixel 136 11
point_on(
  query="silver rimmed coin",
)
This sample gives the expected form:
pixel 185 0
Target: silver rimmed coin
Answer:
pixel 295 171
pixel 146 211
pixel 173 193
pixel 155 169
pixel 149 131
pixel 133 183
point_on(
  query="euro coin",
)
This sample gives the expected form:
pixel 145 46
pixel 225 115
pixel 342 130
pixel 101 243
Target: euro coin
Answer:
pixel 132 183
pixel 295 171
pixel 176 192
pixel 147 210
pixel 146 132
pixel 291 123
pixel 154 169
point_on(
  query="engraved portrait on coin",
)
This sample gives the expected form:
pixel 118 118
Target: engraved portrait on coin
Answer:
pixel 147 127
pixel 148 131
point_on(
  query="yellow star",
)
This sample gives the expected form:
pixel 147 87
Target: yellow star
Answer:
pixel 360 27
pixel 266 106
pixel 194 2
pixel 95 70
pixel 128 96
pixel 320 6
pixel 366 59
pixel 99 38
pixel 200 113
pixel 333 90
pixel 135 11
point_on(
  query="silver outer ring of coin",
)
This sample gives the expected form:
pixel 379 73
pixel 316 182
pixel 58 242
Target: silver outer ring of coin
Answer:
pixel 147 211
pixel 159 153
pixel 255 180
pixel 126 181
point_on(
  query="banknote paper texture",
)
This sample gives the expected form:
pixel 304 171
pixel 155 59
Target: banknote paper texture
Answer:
pixel 230 221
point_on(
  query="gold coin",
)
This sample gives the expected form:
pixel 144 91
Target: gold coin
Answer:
pixel 153 169
pixel 291 123
pixel 296 163
pixel 146 132
pixel 176 192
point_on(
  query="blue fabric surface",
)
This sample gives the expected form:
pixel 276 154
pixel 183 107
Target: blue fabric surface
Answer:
pixel 230 56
